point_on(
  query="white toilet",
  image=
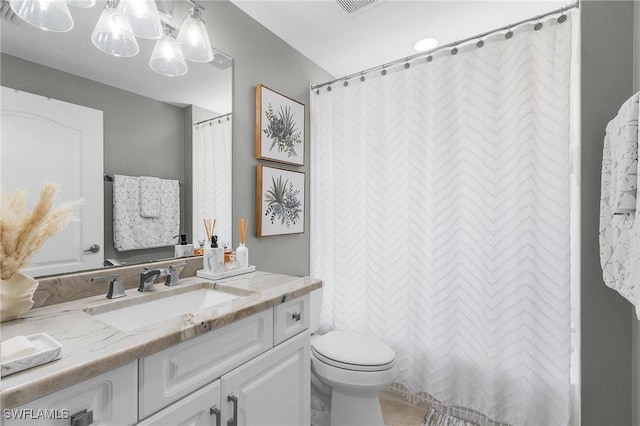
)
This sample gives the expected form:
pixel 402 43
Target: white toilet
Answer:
pixel 348 369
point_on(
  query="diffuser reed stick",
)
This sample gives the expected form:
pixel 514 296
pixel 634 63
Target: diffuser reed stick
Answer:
pixel 243 230
pixel 206 229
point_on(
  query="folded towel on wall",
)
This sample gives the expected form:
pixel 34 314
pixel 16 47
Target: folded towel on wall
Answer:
pixel 131 231
pixel 149 196
pixel 622 137
pixel 619 218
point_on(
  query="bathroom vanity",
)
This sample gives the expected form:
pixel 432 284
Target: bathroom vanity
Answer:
pixel 244 361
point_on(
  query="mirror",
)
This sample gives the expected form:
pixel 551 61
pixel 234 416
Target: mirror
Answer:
pixel 152 124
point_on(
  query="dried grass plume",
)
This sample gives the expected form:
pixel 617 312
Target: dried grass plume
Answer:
pixel 22 233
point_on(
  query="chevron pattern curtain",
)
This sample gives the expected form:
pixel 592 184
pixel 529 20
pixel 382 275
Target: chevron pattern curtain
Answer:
pixel 440 221
pixel 212 177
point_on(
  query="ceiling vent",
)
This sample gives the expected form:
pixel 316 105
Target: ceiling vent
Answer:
pixel 221 61
pixel 351 6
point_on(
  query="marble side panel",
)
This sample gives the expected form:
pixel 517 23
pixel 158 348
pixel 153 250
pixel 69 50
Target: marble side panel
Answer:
pixel 91 347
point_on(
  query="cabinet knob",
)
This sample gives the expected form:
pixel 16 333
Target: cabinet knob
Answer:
pixel 296 316
pixel 216 412
pixel 82 418
pixel 234 420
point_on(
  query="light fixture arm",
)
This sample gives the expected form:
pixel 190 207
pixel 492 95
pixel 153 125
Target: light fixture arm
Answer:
pixel 196 5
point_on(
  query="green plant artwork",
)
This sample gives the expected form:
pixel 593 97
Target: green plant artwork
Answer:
pixel 282 202
pixel 283 131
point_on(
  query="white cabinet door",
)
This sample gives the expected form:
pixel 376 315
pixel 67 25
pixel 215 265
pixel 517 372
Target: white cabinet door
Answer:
pixel 201 408
pixel 46 139
pixel 168 375
pixel 272 389
pixel 109 399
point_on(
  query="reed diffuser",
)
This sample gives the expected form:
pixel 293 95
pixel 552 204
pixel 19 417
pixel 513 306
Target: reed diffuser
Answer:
pixel 242 252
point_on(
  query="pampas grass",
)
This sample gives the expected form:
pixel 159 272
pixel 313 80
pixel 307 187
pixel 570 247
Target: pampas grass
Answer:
pixel 23 233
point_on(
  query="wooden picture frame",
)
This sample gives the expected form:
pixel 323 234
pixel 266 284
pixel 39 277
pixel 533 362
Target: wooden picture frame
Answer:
pixel 280 201
pixel 280 127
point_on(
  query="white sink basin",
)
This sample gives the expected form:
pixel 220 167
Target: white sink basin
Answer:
pixel 146 313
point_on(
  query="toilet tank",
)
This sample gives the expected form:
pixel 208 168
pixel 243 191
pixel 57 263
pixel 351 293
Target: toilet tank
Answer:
pixel 314 311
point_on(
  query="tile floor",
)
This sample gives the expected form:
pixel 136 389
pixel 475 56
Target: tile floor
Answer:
pixel 397 412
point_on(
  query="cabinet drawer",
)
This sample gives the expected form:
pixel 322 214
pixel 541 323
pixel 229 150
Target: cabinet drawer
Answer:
pixel 170 374
pixel 291 318
pixel 109 398
pixel 196 409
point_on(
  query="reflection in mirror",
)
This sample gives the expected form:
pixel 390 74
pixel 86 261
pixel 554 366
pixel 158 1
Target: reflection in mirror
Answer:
pixel 76 113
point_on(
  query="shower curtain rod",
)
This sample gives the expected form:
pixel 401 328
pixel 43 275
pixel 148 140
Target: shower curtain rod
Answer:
pixel 454 44
pixel 211 119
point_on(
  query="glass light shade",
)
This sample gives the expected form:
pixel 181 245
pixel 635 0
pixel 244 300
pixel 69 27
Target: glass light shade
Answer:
pixel 111 38
pixel 83 4
pixel 139 17
pixel 193 40
pixel 49 15
pixel 166 58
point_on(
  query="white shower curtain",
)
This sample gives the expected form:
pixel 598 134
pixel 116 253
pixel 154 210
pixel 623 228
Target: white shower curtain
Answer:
pixel 212 177
pixel 440 221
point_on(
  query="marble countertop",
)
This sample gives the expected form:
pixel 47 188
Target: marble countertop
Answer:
pixel 91 347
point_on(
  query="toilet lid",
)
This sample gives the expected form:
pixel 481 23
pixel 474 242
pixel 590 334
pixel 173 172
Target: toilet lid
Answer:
pixel 353 349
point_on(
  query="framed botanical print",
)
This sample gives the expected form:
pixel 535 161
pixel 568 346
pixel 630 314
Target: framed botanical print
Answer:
pixel 280 127
pixel 279 201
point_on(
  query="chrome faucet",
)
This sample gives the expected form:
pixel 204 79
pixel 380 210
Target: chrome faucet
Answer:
pixel 174 277
pixel 147 278
pixel 116 289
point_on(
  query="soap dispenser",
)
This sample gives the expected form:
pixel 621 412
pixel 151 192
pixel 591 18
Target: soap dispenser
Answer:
pixel 182 249
pixel 213 258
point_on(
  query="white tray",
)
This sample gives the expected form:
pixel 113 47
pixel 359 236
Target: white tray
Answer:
pixel 226 274
pixel 48 350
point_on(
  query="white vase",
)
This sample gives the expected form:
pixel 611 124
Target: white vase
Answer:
pixel 16 296
pixel 242 254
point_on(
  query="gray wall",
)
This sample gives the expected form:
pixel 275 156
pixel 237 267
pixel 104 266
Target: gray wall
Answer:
pixel 607 76
pixel 636 324
pixel 261 57
pixel 142 136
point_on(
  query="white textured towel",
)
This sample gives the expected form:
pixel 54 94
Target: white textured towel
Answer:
pixel 149 196
pixel 131 231
pixel 16 347
pixel 620 228
pixel 622 138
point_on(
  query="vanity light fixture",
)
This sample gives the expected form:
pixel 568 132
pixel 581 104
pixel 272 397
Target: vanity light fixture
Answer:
pixel 140 17
pixel 112 38
pixel 167 58
pixel 425 44
pixel 193 39
pixel 48 15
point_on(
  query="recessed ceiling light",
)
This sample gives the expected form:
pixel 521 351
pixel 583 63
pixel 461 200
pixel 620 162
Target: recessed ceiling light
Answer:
pixel 425 44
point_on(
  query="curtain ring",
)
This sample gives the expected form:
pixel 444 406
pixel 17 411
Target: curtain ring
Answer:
pixel 429 57
pixel 562 16
pixel 454 51
pixel 509 33
pixel 538 24
pixel 384 71
pixel 362 76
pixel 480 42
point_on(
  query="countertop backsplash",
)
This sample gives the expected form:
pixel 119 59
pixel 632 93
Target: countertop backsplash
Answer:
pixel 65 288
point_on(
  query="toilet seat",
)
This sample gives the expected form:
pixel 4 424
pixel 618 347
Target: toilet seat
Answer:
pixel 353 351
